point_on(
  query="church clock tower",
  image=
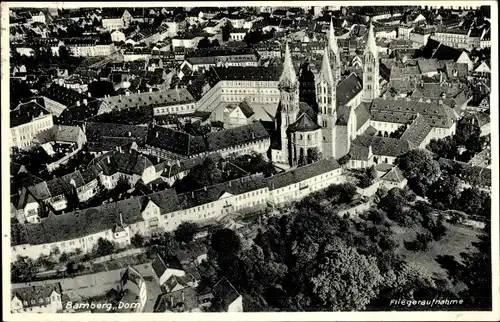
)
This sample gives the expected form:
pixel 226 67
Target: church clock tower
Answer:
pixel 370 69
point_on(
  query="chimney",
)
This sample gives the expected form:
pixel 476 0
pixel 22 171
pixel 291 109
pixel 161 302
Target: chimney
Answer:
pixel 272 186
pixel 85 101
pixel 89 94
pixel 172 301
pixel 77 103
pixel 121 219
pixel 230 183
pixel 182 294
pixel 253 136
pixel 109 161
pixel 205 188
pixel 192 194
pixel 151 90
pixel 129 134
pixel 120 96
pixel 158 159
pixel 440 102
pixel 156 134
pixel 178 163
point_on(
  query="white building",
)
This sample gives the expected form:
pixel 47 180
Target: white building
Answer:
pixel 26 121
pixel 36 299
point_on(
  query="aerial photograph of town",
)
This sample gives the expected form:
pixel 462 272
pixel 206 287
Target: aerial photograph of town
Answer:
pixel 250 158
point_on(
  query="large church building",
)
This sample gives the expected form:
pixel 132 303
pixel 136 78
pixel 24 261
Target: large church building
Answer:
pixel 342 111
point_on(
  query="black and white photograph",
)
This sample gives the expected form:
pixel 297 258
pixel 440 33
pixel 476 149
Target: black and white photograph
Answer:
pixel 235 157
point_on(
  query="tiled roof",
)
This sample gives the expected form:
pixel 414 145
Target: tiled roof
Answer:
pixel 392 147
pixel 37 295
pixel 25 113
pixel 348 89
pixel 63 95
pixel 123 162
pixel 362 114
pixel 213 193
pixel 99 132
pixel 404 111
pixel 417 131
pixel 343 113
pixel 304 124
pixel 188 145
pixel 183 301
pixel 427 65
pixel 359 152
pixel 159 98
pixel 286 178
pixel 89 221
pixel 61 133
pixel 161 264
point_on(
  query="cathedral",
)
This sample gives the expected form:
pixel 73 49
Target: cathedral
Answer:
pixel 342 106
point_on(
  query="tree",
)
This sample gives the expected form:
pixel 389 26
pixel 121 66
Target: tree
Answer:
pixel 444 191
pixel 215 43
pixel 24 269
pixel 64 257
pixel 104 247
pixel 165 245
pixel 137 240
pixel 313 155
pixel 471 201
pixel 346 280
pixel 367 177
pixel 343 160
pixel 422 241
pixel 225 242
pixel 420 169
pixel 185 232
pixel 444 148
pixel 399 131
pixel 226 31
pixel 204 43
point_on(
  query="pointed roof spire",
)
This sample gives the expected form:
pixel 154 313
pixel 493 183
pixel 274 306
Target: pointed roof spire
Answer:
pixel 326 70
pixel 332 40
pixel 288 76
pixel 371 45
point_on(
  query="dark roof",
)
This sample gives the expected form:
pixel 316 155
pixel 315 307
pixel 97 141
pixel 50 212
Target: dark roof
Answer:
pixel 225 292
pixel 387 146
pixel 404 111
pixel 304 124
pixel 362 114
pixel 348 88
pixel 63 95
pixel 417 131
pixel 26 112
pixel 82 223
pixel 213 193
pixel 161 264
pixel 40 294
pixel 188 145
pixel 98 132
pixel 123 162
pixel 246 109
pixel 183 300
pixel 286 178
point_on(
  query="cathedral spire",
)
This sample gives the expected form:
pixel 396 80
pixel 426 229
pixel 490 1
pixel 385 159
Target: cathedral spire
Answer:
pixel 288 77
pixel 332 40
pixel 326 70
pixel 371 45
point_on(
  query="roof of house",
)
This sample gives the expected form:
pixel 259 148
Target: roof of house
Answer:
pixel 36 295
pixel 82 223
pixel 26 112
pixel 62 133
pixel 362 114
pixel 215 192
pixel 392 147
pixel 183 300
pixel 225 291
pixel 248 73
pixel 428 65
pixel 348 89
pixel 417 131
pixel 286 178
pixel 159 98
pixel 123 162
pixel 394 175
pixel 161 264
pixel 188 145
pixel 65 96
pixel 404 111
pixel 101 132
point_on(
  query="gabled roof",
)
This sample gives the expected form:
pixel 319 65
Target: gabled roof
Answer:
pixel 37 295
pixel 348 89
pixel 394 175
pixel 123 162
pixel 417 131
pixel 26 112
pixel 60 133
pixel 161 264
pixel 225 291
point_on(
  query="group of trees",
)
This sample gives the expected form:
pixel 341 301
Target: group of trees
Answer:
pixel 312 260
pixel 467 136
pixel 396 134
pixel 442 186
pixel 207 43
pixel 254 163
pixel 366 177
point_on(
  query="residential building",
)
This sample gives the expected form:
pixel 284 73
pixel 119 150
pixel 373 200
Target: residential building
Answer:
pixel 36 299
pixel 27 120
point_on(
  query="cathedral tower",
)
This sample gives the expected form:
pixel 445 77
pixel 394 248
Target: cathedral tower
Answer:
pixel 370 68
pixel 334 52
pixel 326 92
pixel 289 100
